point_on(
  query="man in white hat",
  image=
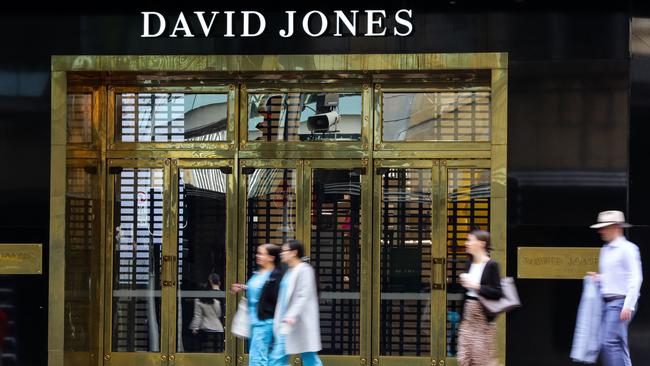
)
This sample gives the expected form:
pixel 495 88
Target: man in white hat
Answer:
pixel 620 279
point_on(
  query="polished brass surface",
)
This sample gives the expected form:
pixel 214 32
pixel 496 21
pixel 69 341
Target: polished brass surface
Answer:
pixel 18 259
pixel 283 63
pixel 55 344
pixel 238 75
pixel 571 263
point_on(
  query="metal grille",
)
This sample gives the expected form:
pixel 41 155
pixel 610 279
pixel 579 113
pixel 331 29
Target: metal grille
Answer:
pixel 336 255
pixel 405 323
pixel 468 208
pixel 80 111
pixel 138 216
pixel 271 209
pixel 440 116
pixel 171 117
pixel 82 247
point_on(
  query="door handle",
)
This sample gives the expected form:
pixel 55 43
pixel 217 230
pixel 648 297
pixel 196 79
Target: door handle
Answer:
pixel 439 273
pixel 168 271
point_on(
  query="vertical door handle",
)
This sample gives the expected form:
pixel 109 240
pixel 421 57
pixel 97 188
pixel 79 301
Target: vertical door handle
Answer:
pixel 439 273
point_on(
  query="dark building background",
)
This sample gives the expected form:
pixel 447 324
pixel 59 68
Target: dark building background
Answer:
pixel 579 102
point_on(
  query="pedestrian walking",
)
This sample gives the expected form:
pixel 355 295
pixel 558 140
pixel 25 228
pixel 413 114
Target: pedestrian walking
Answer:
pixel 620 278
pixel 477 332
pixel 262 294
pixel 297 319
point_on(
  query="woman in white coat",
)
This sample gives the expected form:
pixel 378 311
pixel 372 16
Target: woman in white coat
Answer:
pixel 296 324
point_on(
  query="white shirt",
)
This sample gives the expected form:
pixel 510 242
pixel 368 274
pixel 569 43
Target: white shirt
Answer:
pixel 620 270
pixel 474 275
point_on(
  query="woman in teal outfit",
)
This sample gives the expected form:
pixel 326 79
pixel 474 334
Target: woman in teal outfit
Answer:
pixel 297 321
pixel 262 294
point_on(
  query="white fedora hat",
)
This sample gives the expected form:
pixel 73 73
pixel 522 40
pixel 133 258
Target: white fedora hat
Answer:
pixel 607 218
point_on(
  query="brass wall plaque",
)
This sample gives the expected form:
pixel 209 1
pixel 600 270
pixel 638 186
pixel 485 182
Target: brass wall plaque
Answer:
pixel 21 258
pixel 556 262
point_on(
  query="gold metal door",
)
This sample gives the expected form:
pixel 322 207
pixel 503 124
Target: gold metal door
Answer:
pixel 269 212
pixel 204 246
pixel 406 273
pixel 171 252
pixel 465 203
pixel 138 281
pixel 337 230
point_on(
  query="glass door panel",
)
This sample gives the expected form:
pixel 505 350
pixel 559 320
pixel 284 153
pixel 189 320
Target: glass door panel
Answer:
pixel 137 313
pixel 335 241
pixel 269 213
pixel 201 260
pixel 405 307
pixel 271 210
pixel 137 253
pixel 468 208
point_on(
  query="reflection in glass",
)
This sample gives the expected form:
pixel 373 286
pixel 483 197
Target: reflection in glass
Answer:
pixel 439 116
pixel 80 112
pixel 270 211
pixel 336 255
pixel 405 307
pixel 468 208
pixel 201 260
pixel 137 237
pixel 171 117
pixel 303 117
pixel 82 252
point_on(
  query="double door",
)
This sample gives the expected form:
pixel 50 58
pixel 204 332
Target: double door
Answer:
pixel 385 237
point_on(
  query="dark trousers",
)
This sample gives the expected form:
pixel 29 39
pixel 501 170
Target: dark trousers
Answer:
pixel 208 342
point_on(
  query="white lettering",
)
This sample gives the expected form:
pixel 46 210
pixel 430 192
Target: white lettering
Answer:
pixel 323 26
pixel 372 22
pixel 289 31
pixel 405 22
pixel 229 32
pixel 246 15
pixel 350 25
pixel 181 25
pixel 146 32
pixel 206 28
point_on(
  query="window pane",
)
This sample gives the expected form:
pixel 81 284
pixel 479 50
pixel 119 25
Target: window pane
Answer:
pixel 201 260
pixel 440 116
pixel 468 208
pixel 137 253
pixel 336 255
pixel 82 251
pixel 405 313
pixel 80 112
pixel 304 117
pixel 271 210
pixel 171 117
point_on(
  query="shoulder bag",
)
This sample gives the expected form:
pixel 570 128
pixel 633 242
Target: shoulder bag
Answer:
pixel 507 302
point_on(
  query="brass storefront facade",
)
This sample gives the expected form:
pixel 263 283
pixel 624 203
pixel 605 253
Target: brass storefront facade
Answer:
pixel 177 167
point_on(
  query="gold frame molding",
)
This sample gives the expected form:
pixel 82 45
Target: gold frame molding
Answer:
pixel 375 70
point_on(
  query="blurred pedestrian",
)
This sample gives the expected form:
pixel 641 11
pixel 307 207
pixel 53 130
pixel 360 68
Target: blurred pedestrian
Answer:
pixel 620 278
pixel 297 320
pixel 477 332
pixel 262 294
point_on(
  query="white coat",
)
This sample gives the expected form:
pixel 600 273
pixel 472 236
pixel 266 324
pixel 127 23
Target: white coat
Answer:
pixel 301 304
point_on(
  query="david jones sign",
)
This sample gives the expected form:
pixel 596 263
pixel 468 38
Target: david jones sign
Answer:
pixel 367 23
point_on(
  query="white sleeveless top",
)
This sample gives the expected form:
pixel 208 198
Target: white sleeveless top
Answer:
pixel 474 275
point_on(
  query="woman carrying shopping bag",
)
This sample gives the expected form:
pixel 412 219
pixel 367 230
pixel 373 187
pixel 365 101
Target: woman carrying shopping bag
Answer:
pixel 262 294
pixel 297 320
pixel 477 333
